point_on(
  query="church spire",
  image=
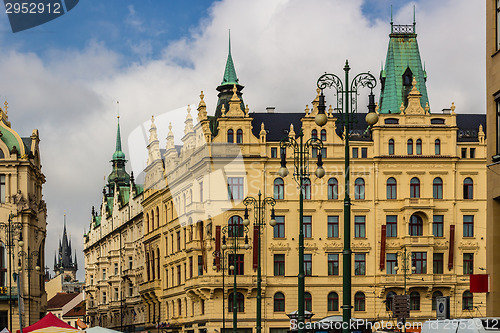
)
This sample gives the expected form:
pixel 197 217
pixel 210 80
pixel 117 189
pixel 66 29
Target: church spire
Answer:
pixel 119 174
pixel 402 65
pixel 229 73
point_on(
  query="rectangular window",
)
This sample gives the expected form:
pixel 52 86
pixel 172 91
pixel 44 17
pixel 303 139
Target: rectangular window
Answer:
pixel 354 152
pixel 274 152
pixel 91 280
pixel 437 265
pixel 333 226
pixel 116 268
pixel 179 279
pixel 279 228
pixel 130 262
pixel 282 152
pixel 104 300
pixel 240 263
pixel 392 263
pixel 130 290
pixel 116 294
pixel 359 264
pixel 333 264
pixel 420 262
pixel 279 265
pixel 200 265
pixel 364 152
pixel 468 263
pixel 2 188
pixel 464 152
pixel 308 264
pixel 190 267
pixel 323 152
pixel 201 191
pixel 178 233
pixel 472 153
pixel 391 222
pixel 468 225
pixel 104 273
pixel 307 226
pixel 359 227
pixel 437 226
pixel 235 188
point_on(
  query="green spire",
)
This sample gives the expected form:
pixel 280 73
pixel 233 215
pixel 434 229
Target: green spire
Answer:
pixel 402 64
pixel 230 77
pixel 119 174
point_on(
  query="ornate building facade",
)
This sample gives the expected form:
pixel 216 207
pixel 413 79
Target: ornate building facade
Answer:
pixel 114 252
pixel 23 215
pixel 417 180
pixel 493 156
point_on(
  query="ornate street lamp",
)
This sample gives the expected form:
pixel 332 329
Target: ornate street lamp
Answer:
pixel 233 232
pixel 221 263
pixel 301 173
pixel 11 229
pixel 259 222
pixel 347 105
pixel 28 267
pixel 406 266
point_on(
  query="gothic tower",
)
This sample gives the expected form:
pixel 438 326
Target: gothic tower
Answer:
pixel 64 263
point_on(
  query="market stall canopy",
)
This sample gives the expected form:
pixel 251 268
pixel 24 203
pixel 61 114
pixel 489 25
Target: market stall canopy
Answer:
pixel 99 329
pixel 48 321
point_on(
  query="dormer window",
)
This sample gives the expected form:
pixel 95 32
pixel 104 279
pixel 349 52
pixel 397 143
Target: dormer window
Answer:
pixel 407 77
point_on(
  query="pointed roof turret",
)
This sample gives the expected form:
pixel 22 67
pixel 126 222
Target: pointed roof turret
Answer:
pixel 226 91
pixel 229 73
pixel 402 65
pixel 119 174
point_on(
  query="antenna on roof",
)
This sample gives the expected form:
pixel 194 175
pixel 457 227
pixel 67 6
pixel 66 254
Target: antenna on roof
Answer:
pixel 414 22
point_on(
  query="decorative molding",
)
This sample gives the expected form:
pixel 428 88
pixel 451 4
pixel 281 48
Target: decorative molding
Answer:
pixel 279 246
pixel 361 245
pixel 468 245
pixel 333 246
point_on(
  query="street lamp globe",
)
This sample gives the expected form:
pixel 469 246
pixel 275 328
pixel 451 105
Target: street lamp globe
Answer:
pixel 246 222
pixel 231 268
pixel 320 172
pixel 283 172
pixel 273 222
pixel 37 268
pixel 247 246
pixel 223 247
pixel 321 119
pixel 396 268
pixel 371 118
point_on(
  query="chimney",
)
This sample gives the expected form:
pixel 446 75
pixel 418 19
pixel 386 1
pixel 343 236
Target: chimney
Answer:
pixel 270 109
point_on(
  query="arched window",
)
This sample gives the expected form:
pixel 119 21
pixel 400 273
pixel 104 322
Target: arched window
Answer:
pixel 467 300
pixel 235 226
pixel 359 301
pixel 437 147
pixel 391 189
pixel 157 215
pixel 435 295
pixel 158 265
pixel 437 188
pixel 409 147
pixel 279 189
pixel 152 264
pixel 279 302
pixel 389 300
pixel 468 188
pixel 323 135
pixel 416 225
pixel 308 301
pixel 230 136
pixel 391 147
pixel 414 188
pixel 359 189
pixel 307 189
pixel 314 134
pixel 240 302
pixel 419 147
pixel 333 301
pixel 333 189
pixel 147 222
pixel 414 300
pixel 148 272
pixel 239 136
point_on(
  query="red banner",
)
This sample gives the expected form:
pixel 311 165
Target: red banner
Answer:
pixel 451 252
pixel 479 283
pixel 382 246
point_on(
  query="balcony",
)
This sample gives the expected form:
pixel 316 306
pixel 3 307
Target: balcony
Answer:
pixel 421 203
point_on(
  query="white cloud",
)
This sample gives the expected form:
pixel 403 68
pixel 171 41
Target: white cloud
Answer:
pixel 280 48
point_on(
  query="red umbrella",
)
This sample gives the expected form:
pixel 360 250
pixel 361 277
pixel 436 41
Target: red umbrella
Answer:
pixel 47 321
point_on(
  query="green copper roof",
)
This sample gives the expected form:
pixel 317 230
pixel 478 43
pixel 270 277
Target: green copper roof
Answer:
pixel 119 154
pixel 230 73
pixel 119 174
pixel 402 55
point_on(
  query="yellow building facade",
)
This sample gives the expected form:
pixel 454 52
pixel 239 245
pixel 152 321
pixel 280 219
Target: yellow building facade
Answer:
pixel 493 156
pixel 23 215
pixel 417 184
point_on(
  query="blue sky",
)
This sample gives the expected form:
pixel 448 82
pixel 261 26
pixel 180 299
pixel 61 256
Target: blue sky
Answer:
pixel 155 56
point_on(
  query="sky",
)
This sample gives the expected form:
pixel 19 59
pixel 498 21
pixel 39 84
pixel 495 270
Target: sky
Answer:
pixel 154 56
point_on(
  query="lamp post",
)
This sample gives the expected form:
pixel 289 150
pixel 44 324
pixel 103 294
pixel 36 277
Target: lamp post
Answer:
pixel 347 106
pixel 259 222
pixel 234 232
pixel 29 256
pixel 11 230
pixel 301 174
pixel 406 266
pixel 220 254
